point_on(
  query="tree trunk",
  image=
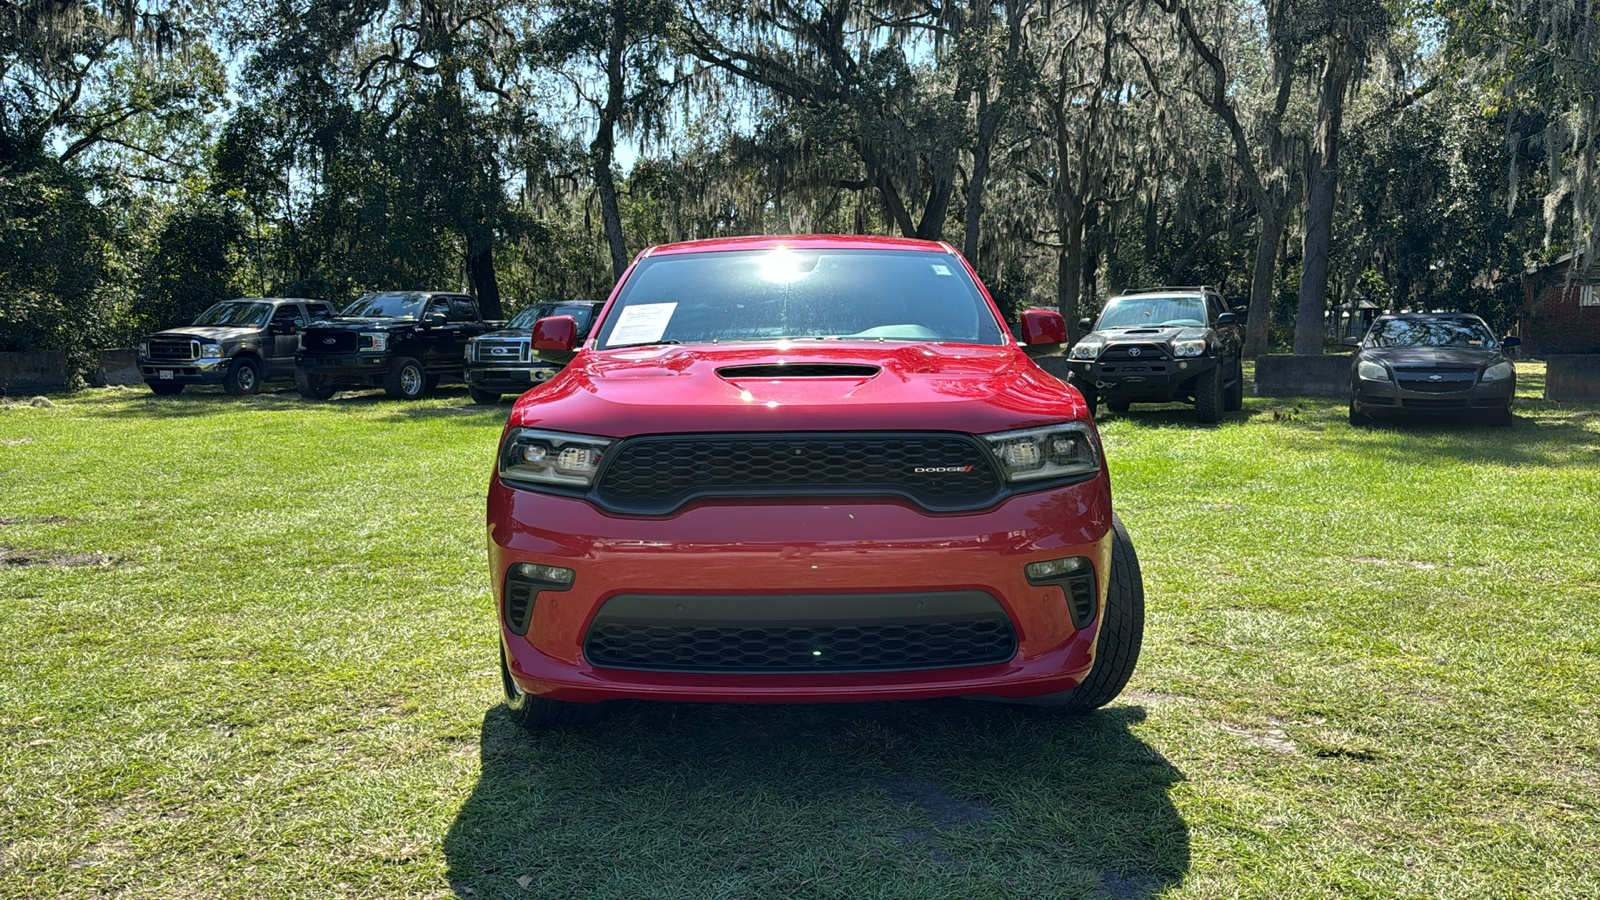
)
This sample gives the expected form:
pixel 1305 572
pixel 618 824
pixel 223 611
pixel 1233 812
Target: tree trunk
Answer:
pixel 1258 325
pixel 480 268
pixel 1322 172
pixel 604 148
pixel 1069 273
pixel 988 123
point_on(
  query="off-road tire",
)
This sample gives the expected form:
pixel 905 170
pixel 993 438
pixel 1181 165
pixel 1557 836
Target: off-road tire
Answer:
pixel 1233 395
pixel 165 390
pixel 244 377
pixel 537 713
pixel 1091 397
pixel 1208 397
pixel 1116 651
pixel 312 390
pixel 1118 406
pixel 486 398
pixel 407 380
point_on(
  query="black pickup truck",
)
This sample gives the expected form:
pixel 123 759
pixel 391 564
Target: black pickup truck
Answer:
pixel 504 362
pixel 235 343
pixel 405 342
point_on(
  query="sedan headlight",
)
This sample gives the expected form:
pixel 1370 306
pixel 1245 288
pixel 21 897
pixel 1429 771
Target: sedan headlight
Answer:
pixel 1088 348
pixel 210 351
pixel 1055 451
pixel 1189 347
pixel 551 458
pixel 1500 371
pixel 373 341
pixel 1372 371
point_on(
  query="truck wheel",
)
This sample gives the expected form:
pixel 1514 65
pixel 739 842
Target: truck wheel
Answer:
pixel 1091 397
pixel 432 382
pixel 1208 397
pixel 244 377
pixel 406 380
pixel 487 398
pixel 165 390
pixel 311 386
pixel 1116 650
pixel 536 713
pixel 1234 399
pixel 1118 406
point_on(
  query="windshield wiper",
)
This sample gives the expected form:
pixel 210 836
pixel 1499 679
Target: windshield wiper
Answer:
pixel 641 344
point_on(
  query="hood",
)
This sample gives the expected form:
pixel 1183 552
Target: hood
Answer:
pixel 1156 334
pixel 884 386
pixel 507 334
pixel 350 323
pixel 1433 356
pixel 218 333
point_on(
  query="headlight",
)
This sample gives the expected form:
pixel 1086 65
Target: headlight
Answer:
pixel 144 348
pixel 1088 348
pixel 1189 347
pixel 466 354
pixel 210 351
pixel 1500 371
pixel 1055 451
pixel 551 457
pixel 1372 371
pixel 375 341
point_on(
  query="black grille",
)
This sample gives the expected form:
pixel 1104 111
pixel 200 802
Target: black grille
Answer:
pixel 1134 353
pixel 799 370
pixel 172 350
pixel 658 474
pixel 317 341
pixel 801 633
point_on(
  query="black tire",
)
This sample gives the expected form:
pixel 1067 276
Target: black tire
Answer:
pixel 1118 406
pixel 1116 650
pixel 1502 417
pixel 537 713
pixel 487 398
pixel 1357 417
pixel 165 390
pixel 1208 397
pixel 311 386
pixel 1091 397
pixel 432 382
pixel 407 380
pixel 244 377
pixel 1233 396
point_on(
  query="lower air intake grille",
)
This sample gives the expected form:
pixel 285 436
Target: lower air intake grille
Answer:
pixel 833 633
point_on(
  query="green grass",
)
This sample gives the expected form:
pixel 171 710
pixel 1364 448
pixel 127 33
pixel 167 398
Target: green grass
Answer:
pixel 249 651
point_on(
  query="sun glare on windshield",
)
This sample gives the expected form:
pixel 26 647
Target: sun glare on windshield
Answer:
pixel 784 266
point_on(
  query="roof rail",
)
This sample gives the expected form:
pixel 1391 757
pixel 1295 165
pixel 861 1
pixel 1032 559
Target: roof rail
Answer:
pixel 1169 288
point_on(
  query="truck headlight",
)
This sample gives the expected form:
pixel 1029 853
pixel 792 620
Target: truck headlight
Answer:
pixel 144 348
pixel 1372 371
pixel 373 341
pixel 1500 371
pixel 210 351
pixel 1189 347
pixel 1088 348
pixel 1054 451
pixel 555 458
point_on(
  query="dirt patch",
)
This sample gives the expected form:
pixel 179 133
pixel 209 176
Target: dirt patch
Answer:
pixel 10 557
pixel 33 520
pixel 1380 561
pixel 1271 738
pixel 15 442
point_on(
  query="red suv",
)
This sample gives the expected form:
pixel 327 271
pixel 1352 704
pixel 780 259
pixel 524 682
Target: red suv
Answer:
pixel 799 469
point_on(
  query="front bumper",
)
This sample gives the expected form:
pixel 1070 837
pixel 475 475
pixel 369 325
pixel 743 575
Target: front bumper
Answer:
pixel 1385 398
pixel 188 371
pixel 778 549
pixel 1153 380
pixel 346 368
pixel 509 378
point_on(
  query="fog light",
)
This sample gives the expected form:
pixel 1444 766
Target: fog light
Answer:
pixel 546 574
pixel 1056 569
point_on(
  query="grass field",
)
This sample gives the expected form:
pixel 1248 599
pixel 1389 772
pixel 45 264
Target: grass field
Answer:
pixel 248 651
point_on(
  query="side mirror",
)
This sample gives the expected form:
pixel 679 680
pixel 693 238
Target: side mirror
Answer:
pixel 1227 318
pixel 1085 324
pixel 1043 331
pixel 280 328
pixel 437 317
pixel 557 334
pixel 1351 341
pixel 1510 342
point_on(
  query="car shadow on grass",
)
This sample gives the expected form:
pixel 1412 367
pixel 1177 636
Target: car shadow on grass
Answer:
pixel 928 799
pixel 446 403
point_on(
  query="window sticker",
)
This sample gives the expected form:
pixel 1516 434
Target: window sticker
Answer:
pixel 940 270
pixel 644 323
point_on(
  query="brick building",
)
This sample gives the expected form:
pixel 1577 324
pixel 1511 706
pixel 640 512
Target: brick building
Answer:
pixel 1561 308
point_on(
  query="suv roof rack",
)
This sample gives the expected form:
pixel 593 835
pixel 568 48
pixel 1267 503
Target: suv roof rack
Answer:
pixel 1170 289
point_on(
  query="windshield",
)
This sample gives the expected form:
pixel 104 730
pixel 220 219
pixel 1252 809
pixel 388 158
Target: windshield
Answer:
pixel 582 312
pixel 386 306
pixel 1430 333
pixel 769 295
pixel 236 314
pixel 1152 312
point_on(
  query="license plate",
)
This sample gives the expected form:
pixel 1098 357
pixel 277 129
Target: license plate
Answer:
pixel 164 374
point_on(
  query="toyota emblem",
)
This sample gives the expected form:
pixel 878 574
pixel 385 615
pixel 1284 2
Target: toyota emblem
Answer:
pixel 1134 351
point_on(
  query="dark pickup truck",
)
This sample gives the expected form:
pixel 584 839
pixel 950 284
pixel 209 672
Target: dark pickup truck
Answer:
pixel 235 343
pixel 405 342
pixel 504 362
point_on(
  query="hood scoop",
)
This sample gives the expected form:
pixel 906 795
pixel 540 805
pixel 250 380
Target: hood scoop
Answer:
pixel 798 370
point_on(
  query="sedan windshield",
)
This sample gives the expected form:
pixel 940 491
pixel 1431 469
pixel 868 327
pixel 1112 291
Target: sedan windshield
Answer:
pixel 1153 312
pixel 386 306
pixel 235 314
pixel 582 312
pixel 1430 333
pixel 800 294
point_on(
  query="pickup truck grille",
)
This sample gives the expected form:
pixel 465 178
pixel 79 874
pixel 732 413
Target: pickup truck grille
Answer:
pixel 173 349
pixel 316 342
pixel 497 350
pixel 658 474
pixel 1135 353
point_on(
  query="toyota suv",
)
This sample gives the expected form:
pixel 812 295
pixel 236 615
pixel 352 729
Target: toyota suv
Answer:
pixel 806 469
